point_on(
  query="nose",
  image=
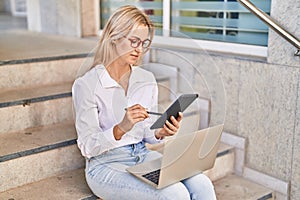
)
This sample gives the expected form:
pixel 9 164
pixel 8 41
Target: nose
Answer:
pixel 139 48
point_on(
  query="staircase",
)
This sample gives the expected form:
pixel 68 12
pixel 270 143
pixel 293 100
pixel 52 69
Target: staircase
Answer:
pixel 39 158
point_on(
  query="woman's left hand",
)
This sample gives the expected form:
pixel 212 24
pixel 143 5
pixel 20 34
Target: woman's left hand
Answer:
pixel 169 128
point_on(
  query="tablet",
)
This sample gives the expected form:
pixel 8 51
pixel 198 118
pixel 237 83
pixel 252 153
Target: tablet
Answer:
pixel 179 105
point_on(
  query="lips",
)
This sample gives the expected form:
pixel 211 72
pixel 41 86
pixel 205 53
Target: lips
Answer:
pixel 136 56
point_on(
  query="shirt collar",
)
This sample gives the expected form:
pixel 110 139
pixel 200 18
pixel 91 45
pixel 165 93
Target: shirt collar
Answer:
pixel 138 75
pixel 104 77
pixel 106 81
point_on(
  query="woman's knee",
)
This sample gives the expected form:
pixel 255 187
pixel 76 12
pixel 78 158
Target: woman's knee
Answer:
pixel 175 191
pixel 205 182
pixel 200 187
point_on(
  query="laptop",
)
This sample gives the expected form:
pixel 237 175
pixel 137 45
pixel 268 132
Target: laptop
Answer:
pixel 184 156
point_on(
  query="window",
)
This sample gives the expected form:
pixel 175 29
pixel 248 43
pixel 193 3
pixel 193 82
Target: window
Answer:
pixel 225 21
pixel 154 9
pixel 18 7
pixel 219 20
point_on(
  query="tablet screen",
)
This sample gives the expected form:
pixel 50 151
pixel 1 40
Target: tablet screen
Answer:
pixel 179 105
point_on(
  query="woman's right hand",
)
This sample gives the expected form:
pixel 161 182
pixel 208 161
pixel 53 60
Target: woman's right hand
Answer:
pixel 134 114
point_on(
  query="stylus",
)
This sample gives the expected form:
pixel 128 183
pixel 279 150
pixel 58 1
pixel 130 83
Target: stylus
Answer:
pixel 151 113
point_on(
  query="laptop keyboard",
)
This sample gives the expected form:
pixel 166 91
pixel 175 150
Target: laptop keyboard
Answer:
pixel 153 176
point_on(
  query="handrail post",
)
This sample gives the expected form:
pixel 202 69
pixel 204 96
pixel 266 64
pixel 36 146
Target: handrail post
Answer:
pixel 271 23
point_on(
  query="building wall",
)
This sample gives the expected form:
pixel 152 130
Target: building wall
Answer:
pixel 262 96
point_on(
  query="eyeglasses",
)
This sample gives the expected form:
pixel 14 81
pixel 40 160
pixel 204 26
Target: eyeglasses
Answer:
pixel 136 42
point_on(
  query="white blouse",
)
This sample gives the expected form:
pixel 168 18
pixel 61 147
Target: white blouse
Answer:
pixel 99 104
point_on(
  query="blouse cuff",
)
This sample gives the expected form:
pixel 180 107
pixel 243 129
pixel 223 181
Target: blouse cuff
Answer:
pixel 109 135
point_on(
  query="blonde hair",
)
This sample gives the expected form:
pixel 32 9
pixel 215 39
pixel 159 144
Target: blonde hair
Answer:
pixel 119 25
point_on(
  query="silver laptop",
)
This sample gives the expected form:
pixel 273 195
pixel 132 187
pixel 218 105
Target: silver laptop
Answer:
pixel 183 157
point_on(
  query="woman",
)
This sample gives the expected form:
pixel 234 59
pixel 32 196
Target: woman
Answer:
pixel 111 102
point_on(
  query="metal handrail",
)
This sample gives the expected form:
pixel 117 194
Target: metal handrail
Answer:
pixel 271 23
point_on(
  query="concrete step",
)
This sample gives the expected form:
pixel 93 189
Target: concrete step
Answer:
pixel 40 59
pixel 26 96
pixel 72 185
pixel 224 164
pixel 68 186
pixel 29 141
pixel 45 112
pixel 44 71
pixel 238 188
pixel 36 153
pixel 34 45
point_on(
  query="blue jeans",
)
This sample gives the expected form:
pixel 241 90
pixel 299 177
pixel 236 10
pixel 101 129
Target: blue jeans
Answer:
pixel 107 177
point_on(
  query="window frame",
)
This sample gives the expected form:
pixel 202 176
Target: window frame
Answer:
pixel 212 46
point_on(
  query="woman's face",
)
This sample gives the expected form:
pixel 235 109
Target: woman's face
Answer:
pixel 131 47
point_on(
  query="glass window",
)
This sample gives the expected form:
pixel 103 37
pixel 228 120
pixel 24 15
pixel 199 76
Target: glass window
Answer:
pixel 151 7
pixel 216 20
pixel 18 7
pixel 219 20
